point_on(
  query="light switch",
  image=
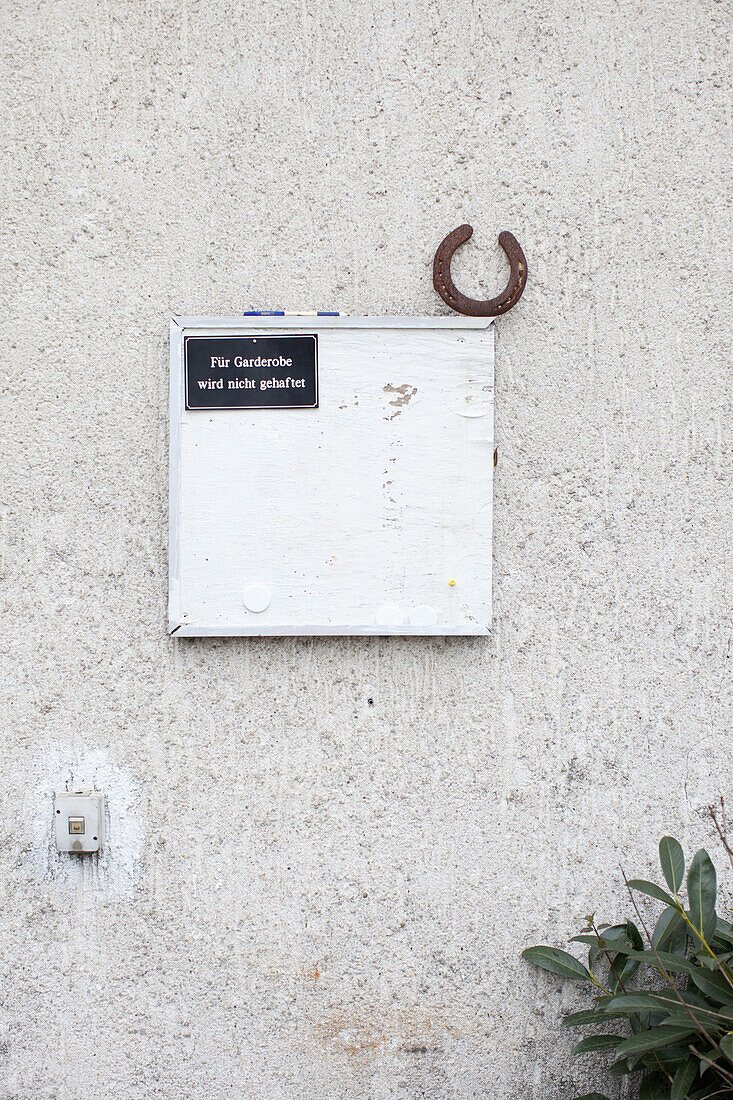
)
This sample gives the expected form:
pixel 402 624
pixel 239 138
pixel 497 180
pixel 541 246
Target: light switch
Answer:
pixel 78 821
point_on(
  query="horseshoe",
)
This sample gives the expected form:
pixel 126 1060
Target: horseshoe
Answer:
pixel 450 294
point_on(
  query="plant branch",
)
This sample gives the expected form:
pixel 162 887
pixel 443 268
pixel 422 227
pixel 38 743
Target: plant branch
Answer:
pixel 721 827
pixel 657 1059
pixel 687 1008
pixel 604 949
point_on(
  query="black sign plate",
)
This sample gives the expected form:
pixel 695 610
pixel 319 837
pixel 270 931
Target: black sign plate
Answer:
pixel 251 372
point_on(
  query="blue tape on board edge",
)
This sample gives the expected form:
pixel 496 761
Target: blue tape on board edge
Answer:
pixel 282 313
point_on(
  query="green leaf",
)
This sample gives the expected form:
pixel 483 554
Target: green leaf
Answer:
pixel 653 1039
pixel 638 1021
pixel 652 890
pixel 654 1087
pixel 709 1058
pixel 672 859
pixel 693 996
pixel 671 1058
pixel 683 1078
pixel 724 928
pixel 620 1068
pixel 598 1042
pixel 715 963
pixel 666 1007
pixel 557 962
pixel 594 951
pixel 674 964
pixel 701 893
pixel 714 985
pixel 634 935
pixel 615 932
pixel 662 1002
pixel 634 1002
pixel 621 972
pixel 586 1016
pixel 725 939
pixel 726 1045
pixel 607 938
pixel 713 1019
pixel 670 933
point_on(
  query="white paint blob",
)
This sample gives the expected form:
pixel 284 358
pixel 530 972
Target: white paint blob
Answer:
pixel 390 614
pixel 257 598
pixel 423 616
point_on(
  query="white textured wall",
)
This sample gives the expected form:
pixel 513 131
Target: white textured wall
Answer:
pixel 326 855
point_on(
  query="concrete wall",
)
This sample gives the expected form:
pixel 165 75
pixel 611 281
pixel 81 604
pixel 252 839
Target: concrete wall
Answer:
pixel 326 855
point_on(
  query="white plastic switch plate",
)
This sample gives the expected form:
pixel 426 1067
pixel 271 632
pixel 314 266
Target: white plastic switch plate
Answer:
pixel 78 820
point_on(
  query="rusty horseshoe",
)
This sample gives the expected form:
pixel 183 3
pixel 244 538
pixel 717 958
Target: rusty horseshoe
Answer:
pixel 450 294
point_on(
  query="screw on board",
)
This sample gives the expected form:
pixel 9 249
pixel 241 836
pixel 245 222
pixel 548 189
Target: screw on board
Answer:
pixel 450 294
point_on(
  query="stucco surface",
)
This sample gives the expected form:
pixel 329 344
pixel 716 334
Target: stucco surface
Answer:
pixel 325 855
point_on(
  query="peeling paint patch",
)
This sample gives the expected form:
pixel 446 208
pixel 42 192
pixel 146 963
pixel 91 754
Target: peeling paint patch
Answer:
pixel 404 393
pixel 403 396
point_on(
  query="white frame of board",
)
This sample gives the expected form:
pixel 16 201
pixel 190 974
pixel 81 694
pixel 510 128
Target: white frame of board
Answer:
pixel 477 621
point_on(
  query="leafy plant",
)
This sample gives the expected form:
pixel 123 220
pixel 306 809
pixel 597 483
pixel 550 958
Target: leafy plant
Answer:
pixel 675 991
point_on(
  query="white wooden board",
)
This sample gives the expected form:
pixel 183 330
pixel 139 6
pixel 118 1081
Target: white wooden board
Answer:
pixel 350 518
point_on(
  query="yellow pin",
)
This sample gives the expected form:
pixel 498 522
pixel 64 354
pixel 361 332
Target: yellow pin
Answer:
pixel 452 583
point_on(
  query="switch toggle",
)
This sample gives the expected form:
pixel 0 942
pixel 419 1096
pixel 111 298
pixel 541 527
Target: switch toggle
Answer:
pixel 78 821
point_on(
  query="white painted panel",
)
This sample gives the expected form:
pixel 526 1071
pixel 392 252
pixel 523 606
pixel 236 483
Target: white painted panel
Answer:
pixel 352 518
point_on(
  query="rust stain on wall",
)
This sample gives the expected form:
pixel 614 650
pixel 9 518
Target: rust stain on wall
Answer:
pixel 366 1034
pixel 311 973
